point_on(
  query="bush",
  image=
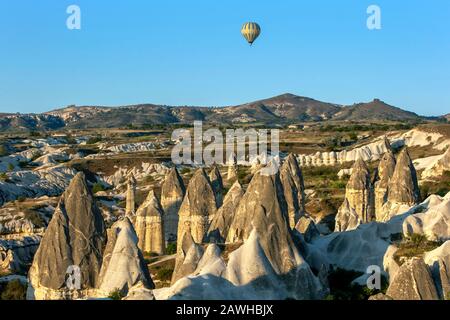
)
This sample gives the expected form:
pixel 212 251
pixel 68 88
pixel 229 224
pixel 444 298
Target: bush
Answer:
pixel 97 187
pixel 10 167
pixel 171 248
pixel 3 176
pixel 414 245
pixel 93 140
pixel 3 151
pixel 164 274
pixel 116 295
pixel 14 290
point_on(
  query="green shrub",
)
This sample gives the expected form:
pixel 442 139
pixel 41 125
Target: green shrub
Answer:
pixel 164 274
pixel 93 140
pixel 97 187
pixel 3 151
pixel 10 167
pixel 116 295
pixel 14 290
pixel 171 248
pixel 3 176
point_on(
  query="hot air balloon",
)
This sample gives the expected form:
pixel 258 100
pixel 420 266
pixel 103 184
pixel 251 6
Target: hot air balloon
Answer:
pixel 251 31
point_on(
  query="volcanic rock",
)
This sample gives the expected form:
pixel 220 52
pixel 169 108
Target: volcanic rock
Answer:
pixel 413 281
pixel 385 172
pixel 76 237
pixel 172 194
pixel 220 225
pixel 123 264
pixel 130 208
pixel 198 208
pixel 294 189
pixel 149 225
pixel 217 184
pixel 358 206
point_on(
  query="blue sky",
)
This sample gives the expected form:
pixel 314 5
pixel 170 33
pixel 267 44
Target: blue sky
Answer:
pixel 183 52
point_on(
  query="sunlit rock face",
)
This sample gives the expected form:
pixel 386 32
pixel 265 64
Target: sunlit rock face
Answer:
pixel 75 236
pixel 294 189
pixel 358 206
pixel 79 259
pixel 149 225
pixel 123 265
pixel 130 208
pixel 439 168
pixel 384 174
pixel 413 281
pixel 403 188
pixel 198 208
pixel 172 194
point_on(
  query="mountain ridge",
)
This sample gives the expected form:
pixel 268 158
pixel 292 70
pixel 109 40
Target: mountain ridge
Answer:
pixel 282 109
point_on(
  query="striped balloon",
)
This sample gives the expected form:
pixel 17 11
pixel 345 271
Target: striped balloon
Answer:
pixel 250 31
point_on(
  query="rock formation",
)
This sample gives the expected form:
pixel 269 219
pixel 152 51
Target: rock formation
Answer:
pixel 149 225
pixel 232 173
pixel 439 168
pixel 75 236
pixel 217 184
pixel 130 208
pixel 384 174
pixel 413 281
pixel 123 264
pixel 307 228
pixel 172 194
pixel 294 189
pixel 263 211
pixel 358 206
pixel 75 260
pixel 188 256
pixel 433 221
pixel 220 225
pixel 198 208
pixel 439 262
pixel 403 188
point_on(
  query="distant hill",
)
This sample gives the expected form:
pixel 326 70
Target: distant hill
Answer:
pixel 283 109
pixel 375 110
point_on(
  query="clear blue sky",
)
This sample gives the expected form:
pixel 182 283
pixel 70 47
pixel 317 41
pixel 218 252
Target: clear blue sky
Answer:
pixel 182 52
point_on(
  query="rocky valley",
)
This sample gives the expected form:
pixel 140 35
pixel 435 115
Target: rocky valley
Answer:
pixel 91 211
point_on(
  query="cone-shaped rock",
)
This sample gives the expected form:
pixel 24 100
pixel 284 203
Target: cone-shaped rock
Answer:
pixel 232 170
pixel 149 225
pixel 217 184
pixel 294 189
pixel 172 194
pixel 220 225
pixel 130 208
pixel 385 172
pixel 188 256
pixel 198 207
pixel 359 199
pixel 403 187
pixel 123 264
pixel 74 240
pixel 263 208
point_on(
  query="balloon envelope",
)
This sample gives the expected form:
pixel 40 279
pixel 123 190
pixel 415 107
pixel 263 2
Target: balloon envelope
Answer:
pixel 250 31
